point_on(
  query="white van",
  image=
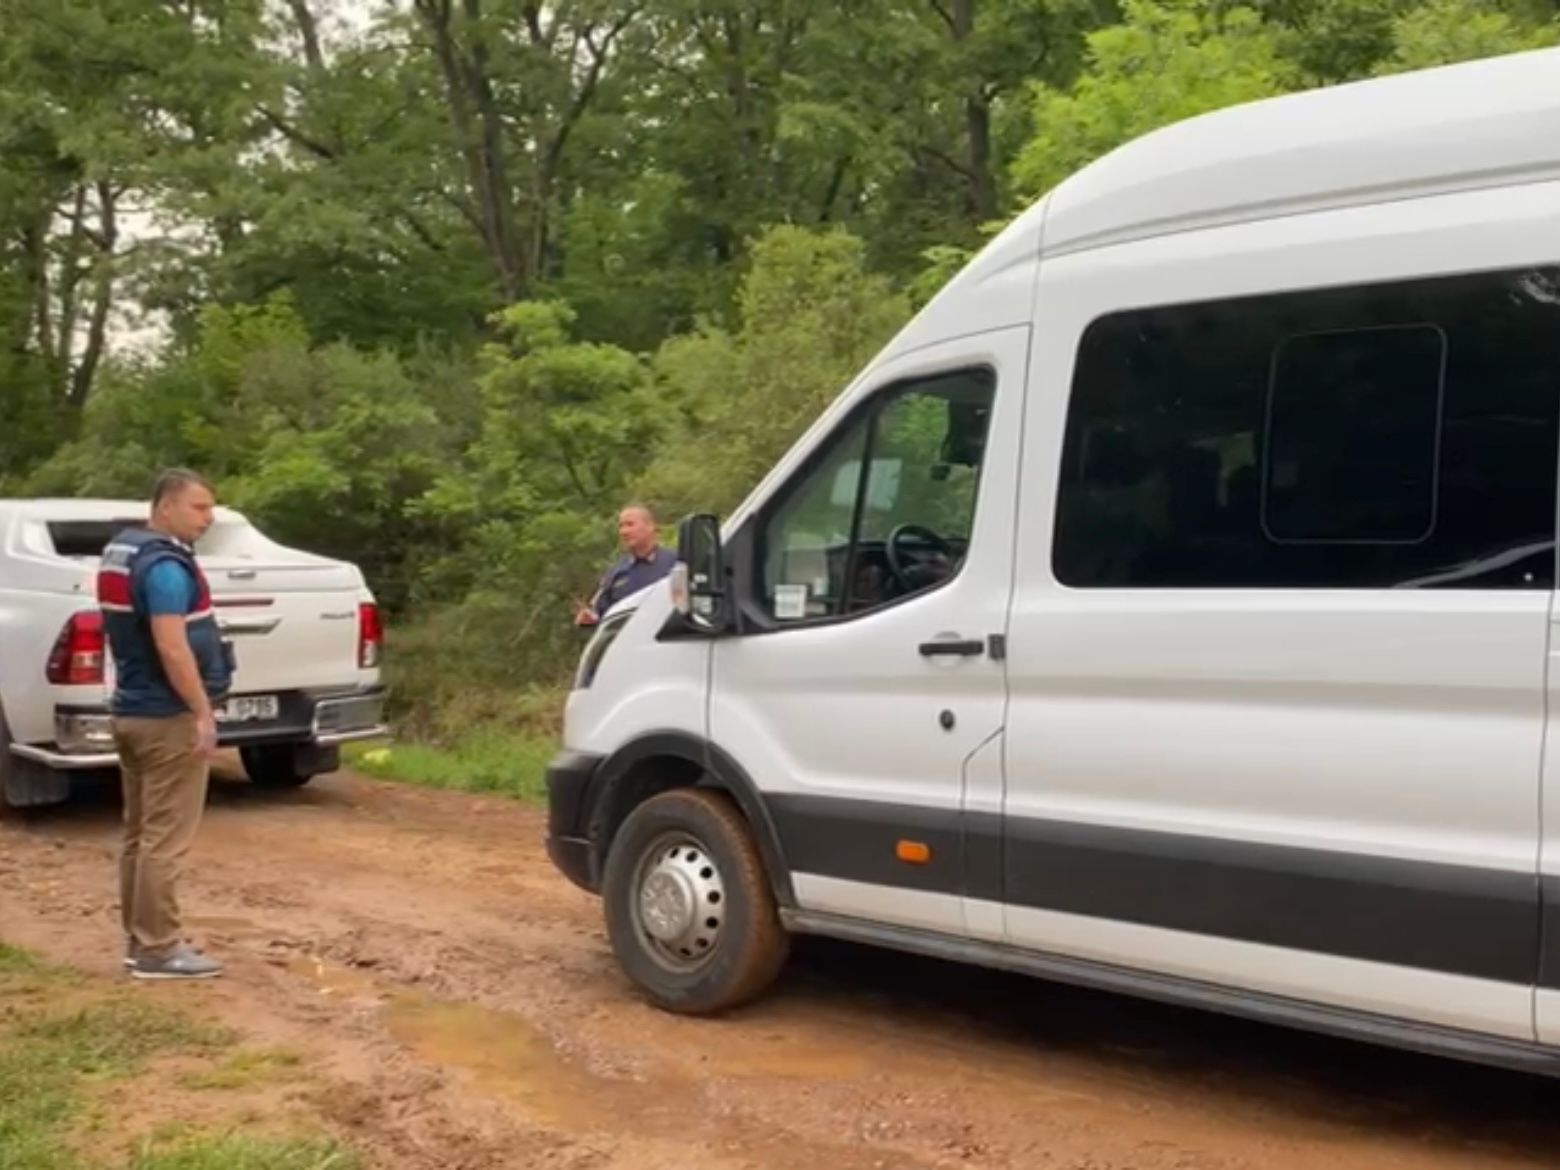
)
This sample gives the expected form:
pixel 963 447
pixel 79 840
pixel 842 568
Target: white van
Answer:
pixel 1168 608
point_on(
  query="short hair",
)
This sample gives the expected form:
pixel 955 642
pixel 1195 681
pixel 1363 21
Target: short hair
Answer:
pixel 174 480
pixel 636 506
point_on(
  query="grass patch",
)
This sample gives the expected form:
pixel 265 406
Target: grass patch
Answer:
pixel 506 763
pixel 15 961
pixel 240 1152
pixel 243 1069
pixel 114 1038
pixel 64 1036
pixel 47 1060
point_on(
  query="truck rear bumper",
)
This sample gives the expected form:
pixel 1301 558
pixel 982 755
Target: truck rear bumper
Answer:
pixel 84 736
pixel 51 757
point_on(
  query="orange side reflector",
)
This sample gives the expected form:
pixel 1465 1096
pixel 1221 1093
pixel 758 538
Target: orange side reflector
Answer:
pixel 913 852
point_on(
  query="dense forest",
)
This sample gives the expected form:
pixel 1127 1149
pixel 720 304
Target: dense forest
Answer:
pixel 435 285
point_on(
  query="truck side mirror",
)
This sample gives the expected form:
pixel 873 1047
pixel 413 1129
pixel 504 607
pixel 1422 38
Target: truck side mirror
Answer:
pixel 699 579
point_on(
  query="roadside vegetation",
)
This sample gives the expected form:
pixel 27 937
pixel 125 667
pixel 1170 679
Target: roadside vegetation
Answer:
pixel 87 1073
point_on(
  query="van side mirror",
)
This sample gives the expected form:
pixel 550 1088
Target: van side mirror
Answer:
pixel 699 579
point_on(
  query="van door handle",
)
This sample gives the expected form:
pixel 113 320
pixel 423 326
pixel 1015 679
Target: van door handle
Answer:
pixel 953 648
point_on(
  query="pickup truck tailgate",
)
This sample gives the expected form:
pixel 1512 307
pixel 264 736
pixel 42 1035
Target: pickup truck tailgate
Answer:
pixel 291 625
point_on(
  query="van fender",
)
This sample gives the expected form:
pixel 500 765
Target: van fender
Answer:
pixel 718 770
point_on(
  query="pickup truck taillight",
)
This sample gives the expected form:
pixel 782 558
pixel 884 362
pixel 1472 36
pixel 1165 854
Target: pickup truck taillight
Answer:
pixel 371 636
pixel 77 657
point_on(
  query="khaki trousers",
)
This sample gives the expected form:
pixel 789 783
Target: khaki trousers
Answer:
pixel 165 782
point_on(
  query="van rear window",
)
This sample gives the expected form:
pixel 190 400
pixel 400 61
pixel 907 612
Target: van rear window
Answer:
pixel 87 538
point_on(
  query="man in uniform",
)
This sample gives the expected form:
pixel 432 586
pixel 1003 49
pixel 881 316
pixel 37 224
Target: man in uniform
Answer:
pixel 643 562
pixel 171 670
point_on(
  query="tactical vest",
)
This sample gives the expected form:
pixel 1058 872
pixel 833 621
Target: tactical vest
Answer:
pixel 141 684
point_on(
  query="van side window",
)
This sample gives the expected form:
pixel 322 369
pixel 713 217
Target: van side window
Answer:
pixel 1353 436
pixel 1401 435
pixel 886 511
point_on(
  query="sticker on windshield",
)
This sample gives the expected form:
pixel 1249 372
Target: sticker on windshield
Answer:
pixel 790 602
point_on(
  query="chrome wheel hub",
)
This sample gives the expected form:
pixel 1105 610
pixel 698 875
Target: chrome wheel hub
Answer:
pixel 680 902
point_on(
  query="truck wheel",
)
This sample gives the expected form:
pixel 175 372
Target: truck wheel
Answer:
pixel 689 909
pixel 285 765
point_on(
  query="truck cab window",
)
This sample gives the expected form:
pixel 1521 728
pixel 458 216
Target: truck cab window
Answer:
pixel 885 513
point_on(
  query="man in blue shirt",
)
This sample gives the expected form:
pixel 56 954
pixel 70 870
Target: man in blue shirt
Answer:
pixel 644 562
pixel 171 670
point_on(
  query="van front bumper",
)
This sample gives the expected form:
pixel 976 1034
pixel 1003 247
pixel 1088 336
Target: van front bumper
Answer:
pixel 569 780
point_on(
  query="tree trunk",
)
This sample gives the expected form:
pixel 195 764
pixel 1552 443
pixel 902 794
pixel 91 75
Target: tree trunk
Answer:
pixel 309 30
pixel 977 125
pixel 983 181
pixel 85 372
pixel 478 134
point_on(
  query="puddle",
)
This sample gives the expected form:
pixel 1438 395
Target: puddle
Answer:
pixel 510 1059
pixel 505 1056
pixel 503 1053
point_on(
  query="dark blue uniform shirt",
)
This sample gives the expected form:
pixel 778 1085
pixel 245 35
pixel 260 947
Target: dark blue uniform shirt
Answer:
pixel 629 574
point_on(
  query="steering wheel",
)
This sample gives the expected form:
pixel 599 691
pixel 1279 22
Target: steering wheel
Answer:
pixel 897 561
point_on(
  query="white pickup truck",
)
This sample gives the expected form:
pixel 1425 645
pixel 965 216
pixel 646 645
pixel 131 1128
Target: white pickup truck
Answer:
pixel 305 632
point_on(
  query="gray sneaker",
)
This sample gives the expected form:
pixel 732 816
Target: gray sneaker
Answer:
pixel 183 962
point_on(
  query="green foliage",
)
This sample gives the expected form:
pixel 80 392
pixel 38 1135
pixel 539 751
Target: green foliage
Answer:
pixel 496 761
pixel 324 447
pixel 1165 62
pixel 810 316
pixel 1443 32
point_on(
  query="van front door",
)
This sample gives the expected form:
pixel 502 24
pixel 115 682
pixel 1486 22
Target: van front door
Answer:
pixel 865 693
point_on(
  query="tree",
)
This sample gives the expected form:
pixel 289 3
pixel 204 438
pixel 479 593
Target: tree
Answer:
pixel 811 317
pixel 1165 62
pixel 517 81
pixel 102 105
pixel 564 427
pixel 1444 32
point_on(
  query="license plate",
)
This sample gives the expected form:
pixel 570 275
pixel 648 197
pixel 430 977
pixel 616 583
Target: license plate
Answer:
pixel 247 708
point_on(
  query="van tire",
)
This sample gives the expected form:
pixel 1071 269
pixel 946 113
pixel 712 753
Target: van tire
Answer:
pixel 751 945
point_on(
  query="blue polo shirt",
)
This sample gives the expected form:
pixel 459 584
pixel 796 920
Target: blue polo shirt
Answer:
pixel 169 590
pixel 629 574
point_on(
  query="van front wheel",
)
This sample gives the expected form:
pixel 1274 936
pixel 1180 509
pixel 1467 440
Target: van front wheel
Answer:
pixel 689 909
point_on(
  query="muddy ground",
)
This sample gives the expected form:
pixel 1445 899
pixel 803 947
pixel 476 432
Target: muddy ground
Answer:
pixel 458 1009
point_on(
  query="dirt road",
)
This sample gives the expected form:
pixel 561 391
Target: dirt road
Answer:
pixel 461 1010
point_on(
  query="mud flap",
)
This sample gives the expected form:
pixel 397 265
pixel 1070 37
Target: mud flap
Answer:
pixel 30 785
pixel 312 759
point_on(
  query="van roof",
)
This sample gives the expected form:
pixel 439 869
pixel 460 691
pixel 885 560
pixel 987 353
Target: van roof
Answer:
pixel 1495 121
pixel 1486 123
